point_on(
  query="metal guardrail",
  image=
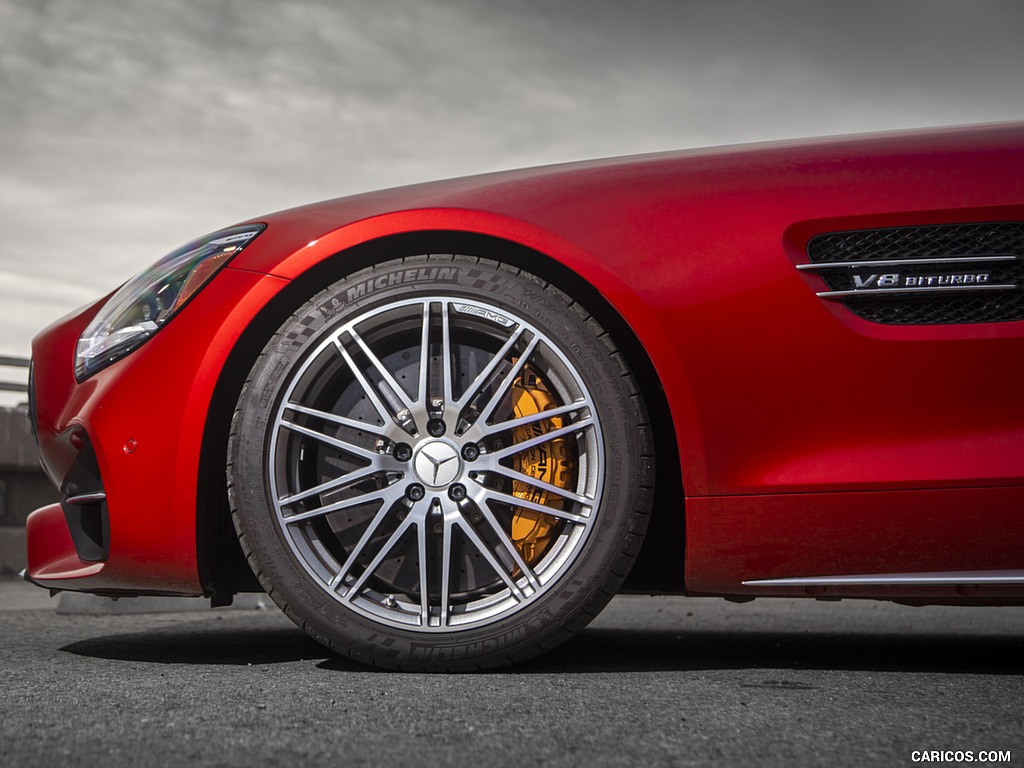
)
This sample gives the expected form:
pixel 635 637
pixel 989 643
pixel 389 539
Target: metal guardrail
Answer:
pixel 14 362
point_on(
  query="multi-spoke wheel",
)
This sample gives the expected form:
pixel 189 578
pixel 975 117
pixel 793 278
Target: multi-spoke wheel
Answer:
pixel 440 463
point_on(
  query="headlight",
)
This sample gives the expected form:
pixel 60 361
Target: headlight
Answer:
pixel 146 302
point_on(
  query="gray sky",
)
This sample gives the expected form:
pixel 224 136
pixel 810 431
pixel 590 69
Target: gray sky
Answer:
pixel 128 127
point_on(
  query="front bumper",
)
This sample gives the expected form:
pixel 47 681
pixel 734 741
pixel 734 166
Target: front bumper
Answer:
pixel 124 446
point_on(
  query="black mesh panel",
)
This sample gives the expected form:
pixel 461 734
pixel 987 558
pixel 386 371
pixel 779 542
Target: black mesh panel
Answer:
pixel 924 242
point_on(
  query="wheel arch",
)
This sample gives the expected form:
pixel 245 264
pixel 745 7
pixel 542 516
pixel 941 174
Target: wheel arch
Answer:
pixel 222 566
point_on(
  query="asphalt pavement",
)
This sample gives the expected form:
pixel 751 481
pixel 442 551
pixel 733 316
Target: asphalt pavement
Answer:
pixel 654 681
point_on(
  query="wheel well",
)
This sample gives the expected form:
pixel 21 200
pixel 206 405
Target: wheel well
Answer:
pixel 222 567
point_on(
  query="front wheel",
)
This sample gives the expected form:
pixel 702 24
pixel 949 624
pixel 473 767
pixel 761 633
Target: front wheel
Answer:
pixel 440 463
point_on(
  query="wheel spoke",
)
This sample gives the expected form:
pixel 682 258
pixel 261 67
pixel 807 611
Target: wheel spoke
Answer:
pixel 371 529
pixel 447 374
pixel 436 378
pixel 423 393
pixel 540 439
pixel 344 421
pixel 336 483
pixel 388 496
pixel 513 474
pixel 492 560
pixel 446 572
pixel 493 363
pixel 499 393
pixel 421 547
pixel 509 547
pixel 368 388
pixel 341 445
pixel 382 371
pixel 385 550
pixel 489 494
pixel 521 421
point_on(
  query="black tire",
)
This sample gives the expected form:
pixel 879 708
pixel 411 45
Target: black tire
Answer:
pixel 351 483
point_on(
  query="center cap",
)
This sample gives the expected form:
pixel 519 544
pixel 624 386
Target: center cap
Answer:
pixel 437 464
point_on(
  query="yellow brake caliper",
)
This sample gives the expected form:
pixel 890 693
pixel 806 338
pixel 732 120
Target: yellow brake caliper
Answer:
pixel 553 462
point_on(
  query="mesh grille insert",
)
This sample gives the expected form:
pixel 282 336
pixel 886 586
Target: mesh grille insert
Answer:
pixel 980 246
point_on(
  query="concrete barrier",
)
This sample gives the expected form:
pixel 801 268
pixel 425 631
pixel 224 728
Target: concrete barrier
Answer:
pixel 23 485
pixel 14 374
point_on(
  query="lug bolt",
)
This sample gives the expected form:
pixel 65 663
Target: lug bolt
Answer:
pixel 415 492
pixel 457 492
pixel 470 452
pixel 435 427
pixel 403 452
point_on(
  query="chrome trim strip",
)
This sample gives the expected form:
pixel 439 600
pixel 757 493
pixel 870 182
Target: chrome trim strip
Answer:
pixel 904 262
pixel 882 579
pixel 920 289
pixel 86 498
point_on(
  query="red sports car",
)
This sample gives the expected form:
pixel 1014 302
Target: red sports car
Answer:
pixel 442 425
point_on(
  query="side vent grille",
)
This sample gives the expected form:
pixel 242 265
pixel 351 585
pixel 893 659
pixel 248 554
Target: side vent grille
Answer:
pixel 928 275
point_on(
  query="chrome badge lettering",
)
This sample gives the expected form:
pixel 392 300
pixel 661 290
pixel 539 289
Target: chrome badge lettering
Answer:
pixel 895 280
pixel 975 279
pixel 494 317
pixel 864 282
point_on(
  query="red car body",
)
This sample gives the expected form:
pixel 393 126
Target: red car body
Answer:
pixel 796 440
